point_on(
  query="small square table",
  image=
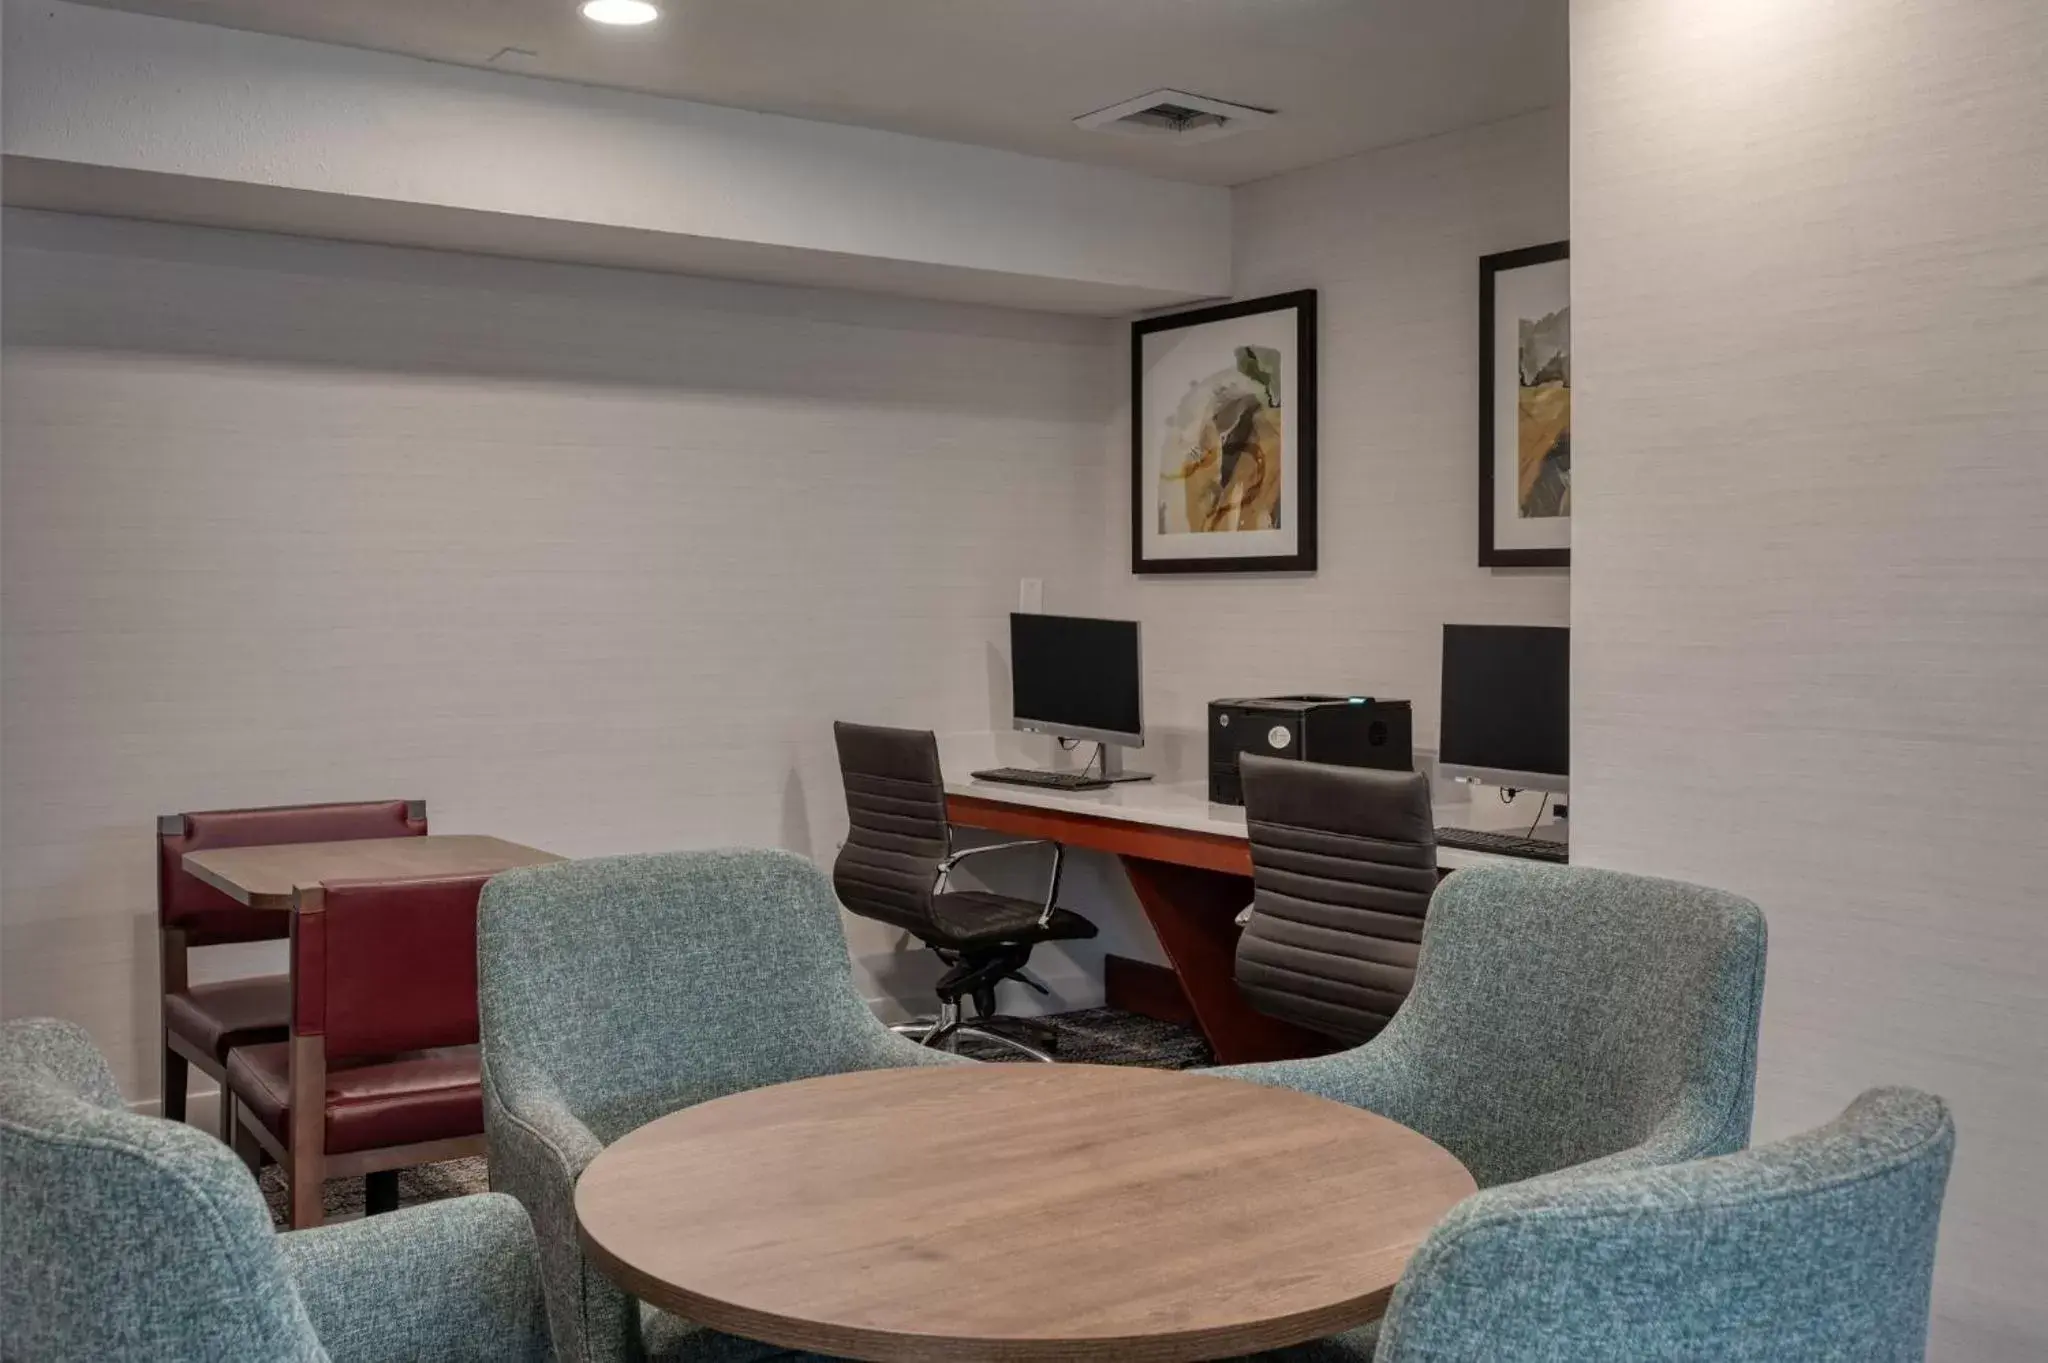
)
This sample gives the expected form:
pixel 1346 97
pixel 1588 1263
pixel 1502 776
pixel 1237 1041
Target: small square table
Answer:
pixel 270 877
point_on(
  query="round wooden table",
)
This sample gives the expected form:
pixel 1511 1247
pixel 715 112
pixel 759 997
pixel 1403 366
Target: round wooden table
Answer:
pixel 1017 1213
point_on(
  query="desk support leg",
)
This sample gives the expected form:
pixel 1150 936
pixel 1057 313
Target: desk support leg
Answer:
pixel 1193 912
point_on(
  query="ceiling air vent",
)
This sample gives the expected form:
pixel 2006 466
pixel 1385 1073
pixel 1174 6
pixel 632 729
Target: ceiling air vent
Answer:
pixel 1176 114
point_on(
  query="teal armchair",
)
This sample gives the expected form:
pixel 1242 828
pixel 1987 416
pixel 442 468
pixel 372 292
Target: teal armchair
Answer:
pixel 1817 1247
pixel 1561 1017
pixel 130 1237
pixel 615 991
pixel 1564 1016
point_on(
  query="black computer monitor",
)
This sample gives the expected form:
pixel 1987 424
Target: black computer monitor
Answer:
pixel 1507 706
pixel 1074 677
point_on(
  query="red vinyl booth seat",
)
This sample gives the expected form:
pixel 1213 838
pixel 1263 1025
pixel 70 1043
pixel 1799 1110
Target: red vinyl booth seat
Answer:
pixel 383 1034
pixel 217 1018
pixel 427 1096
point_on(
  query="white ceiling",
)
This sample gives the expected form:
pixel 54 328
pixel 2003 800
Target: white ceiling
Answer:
pixel 1346 75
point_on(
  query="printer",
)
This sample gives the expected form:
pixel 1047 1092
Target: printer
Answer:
pixel 1347 731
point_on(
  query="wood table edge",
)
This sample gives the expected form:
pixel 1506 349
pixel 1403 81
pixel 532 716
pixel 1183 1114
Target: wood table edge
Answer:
pixel 889 1346
pixel 253 899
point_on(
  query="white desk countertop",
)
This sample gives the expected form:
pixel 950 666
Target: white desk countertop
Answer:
pixel 1187 805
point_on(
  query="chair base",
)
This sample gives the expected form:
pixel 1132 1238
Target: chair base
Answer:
pixel 945 1030
pixel 999 1039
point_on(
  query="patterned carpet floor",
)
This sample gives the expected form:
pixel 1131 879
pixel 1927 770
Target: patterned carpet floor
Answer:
pixel 1091 1036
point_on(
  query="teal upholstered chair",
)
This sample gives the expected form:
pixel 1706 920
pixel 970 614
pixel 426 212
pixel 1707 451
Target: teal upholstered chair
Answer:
pixel 130 1237
pixel 619 990
pixel 1562 1016
pixel 1819 1247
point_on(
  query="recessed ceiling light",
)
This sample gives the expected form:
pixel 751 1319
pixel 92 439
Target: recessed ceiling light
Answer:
pixel 630 13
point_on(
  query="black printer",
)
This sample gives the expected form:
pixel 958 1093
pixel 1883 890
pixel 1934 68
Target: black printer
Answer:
pixel 1346 731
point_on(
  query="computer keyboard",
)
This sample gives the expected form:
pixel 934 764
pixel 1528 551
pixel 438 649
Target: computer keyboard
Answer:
pixel 1051 780
pixel 1501 844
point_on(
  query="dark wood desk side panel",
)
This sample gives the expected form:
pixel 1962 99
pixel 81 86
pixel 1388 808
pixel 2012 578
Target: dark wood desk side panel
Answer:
pixel 1150 991
pixel 1194 913
pixel 1191 886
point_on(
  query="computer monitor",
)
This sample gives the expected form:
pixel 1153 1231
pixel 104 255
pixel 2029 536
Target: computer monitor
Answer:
pixel 1074 677
pixel 1506 706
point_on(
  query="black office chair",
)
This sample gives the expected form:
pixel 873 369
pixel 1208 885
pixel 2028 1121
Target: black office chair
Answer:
pixel 1343 867
pixel 895 866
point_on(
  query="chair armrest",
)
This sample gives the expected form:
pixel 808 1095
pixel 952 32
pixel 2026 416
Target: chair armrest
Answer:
pixel 954 858
pixel 1379 1076
pixel 1052 891
pixel 539 1148
pixel 452 1281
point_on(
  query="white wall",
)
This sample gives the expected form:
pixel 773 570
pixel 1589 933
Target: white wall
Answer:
pixel 1391 240
pixel 585 558
pixel 149 117
pixel 1811 593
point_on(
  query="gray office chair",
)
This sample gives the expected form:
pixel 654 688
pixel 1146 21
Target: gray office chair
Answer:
pixel 1343 867
pixel 895 868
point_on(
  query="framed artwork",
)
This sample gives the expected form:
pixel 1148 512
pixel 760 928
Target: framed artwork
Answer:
pixel 1525 408
pixel 1223 438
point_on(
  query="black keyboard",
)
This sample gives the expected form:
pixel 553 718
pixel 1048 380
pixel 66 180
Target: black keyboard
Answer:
pixel 1501 844
pixel 1051 780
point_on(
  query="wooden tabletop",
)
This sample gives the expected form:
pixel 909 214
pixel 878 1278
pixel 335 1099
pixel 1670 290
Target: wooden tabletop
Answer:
pixel 1020 1213
pixel 265 877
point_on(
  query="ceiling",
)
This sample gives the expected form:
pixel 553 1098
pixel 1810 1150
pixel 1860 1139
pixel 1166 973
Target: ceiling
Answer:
pixel 1345 75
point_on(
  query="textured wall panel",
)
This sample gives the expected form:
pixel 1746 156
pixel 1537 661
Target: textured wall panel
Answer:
pixel 1811 596
pixel 586 558
pixel 1392 241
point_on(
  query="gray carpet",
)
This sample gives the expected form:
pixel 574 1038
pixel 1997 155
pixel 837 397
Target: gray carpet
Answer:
pixel 1106 1036
pixel 427 1183
pixel 1092 1036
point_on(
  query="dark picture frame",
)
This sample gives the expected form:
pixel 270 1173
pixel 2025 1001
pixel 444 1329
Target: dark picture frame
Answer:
pixel 1491 554
pixel 1299 449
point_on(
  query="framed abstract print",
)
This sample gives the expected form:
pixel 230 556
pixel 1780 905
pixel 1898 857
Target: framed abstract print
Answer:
pixel 1223 438
pixel 1525 408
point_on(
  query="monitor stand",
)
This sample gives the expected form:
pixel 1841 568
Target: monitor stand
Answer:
pixel 1110 757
